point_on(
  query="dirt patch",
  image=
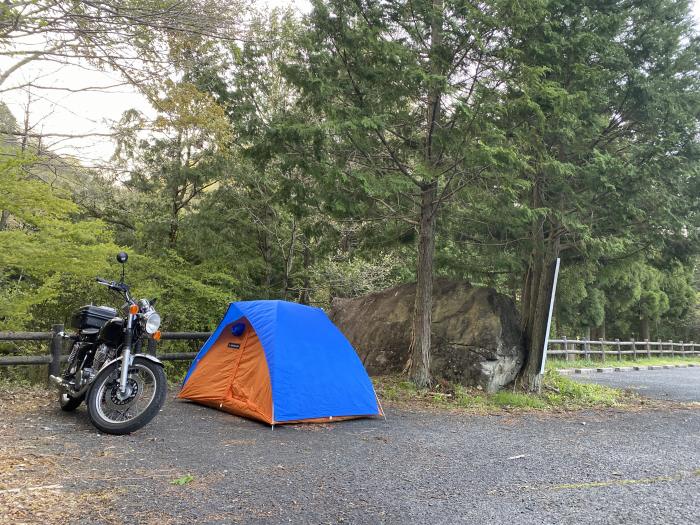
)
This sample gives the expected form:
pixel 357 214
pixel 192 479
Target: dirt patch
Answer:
pixel 23 398
pixel 35 482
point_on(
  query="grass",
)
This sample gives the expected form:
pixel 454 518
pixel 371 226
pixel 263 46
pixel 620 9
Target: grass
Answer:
pixel 611 361
pixel 565 392
pixel 558 393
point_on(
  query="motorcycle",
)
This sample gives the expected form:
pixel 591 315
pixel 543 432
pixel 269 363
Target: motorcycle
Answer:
pixel 123 388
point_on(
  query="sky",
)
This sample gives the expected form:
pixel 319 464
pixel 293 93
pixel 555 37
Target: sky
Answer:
pixel 86 113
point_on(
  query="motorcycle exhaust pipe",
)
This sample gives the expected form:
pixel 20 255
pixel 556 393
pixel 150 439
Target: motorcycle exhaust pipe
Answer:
pixel 58 381
pixel 61 384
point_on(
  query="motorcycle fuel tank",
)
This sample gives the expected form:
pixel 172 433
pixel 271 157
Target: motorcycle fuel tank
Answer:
pixel 112 333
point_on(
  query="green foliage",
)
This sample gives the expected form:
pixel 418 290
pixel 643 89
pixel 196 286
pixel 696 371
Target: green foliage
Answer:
pixel 567 393
pixel 604 118
pixel 47 247
pixel 508 399
pixel 52 254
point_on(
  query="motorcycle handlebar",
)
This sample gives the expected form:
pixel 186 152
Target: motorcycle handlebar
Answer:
pixel 119 287
pixel 105 282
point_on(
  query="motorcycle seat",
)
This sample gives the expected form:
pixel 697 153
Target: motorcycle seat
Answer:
pixel 89 332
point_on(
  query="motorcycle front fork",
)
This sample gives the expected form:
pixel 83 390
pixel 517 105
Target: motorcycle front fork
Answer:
pixel 126 355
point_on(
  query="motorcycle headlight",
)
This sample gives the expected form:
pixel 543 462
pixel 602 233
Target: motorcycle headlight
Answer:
pixel 152 322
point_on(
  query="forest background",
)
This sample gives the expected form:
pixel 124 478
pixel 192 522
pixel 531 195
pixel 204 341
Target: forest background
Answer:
pixel 361 145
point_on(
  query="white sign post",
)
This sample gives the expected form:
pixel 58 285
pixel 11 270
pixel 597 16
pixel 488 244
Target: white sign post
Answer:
pixel 549 317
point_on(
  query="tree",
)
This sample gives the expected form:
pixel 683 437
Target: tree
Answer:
pixel 52 254
pixel 186 153
pixel 608 103
pixel 405 95
pixel 138 40
pixel 117 34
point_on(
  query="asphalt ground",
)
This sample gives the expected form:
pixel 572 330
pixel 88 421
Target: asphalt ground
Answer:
pixel 676 384
pixel 429 467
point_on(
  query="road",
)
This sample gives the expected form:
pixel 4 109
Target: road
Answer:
pixel 677 384
pixel 417 467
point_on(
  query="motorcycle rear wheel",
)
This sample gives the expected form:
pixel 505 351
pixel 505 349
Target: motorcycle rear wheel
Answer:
pixel 114 413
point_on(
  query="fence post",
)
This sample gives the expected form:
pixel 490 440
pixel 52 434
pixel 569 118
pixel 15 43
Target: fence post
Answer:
pixel 692 348
pixel 56 345
pixel 619 349
pixel 661 348
pixel 634 350
pixel 151 344
pixel 682 348
pixel 647 345
pixel 586 349
pixel 670 344
pixel 566 349
pixel 602 351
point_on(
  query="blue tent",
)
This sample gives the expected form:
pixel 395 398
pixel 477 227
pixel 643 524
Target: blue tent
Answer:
pixel 280 362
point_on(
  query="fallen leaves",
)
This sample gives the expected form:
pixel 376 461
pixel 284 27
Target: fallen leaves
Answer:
pixel 183 480
pixel 37 482
pixel 31 489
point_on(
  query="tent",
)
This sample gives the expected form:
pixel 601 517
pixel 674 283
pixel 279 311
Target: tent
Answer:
pixel 280 362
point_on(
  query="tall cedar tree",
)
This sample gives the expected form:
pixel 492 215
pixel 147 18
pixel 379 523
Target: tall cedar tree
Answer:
pixel 405 95
pixel 607 122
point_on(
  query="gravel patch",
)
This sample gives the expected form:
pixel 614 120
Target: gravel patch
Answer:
pixel 416 467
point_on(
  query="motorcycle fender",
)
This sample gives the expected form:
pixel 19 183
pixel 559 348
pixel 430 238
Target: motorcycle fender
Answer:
pixel 134 356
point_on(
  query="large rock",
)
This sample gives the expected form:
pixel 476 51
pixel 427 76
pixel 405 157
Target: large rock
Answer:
pixel 476 341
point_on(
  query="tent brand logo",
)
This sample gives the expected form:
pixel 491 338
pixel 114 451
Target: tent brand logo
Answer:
pixel 234 345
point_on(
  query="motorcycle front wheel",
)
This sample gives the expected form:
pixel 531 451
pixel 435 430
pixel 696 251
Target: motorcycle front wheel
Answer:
pixel 114 412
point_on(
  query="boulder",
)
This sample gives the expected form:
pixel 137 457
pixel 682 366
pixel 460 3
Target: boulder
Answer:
pixel 477 340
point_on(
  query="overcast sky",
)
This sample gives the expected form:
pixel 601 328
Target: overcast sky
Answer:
pixel 88 112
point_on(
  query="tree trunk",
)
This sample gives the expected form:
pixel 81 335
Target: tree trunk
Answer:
pixel 419 362
pixel 176 197
pixel 26 129
pixel 172 236
pixel 174 226
pixel 644 328
pixel 306 262
pixel 289 261
pixel 536 296
pixel 4 218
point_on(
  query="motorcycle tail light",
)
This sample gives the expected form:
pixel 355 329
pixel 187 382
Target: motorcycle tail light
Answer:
pixel 134 309
pixel 156 335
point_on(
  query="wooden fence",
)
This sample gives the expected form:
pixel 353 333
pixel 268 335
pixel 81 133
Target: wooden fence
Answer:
pixel 57 338
pixel 599 349
pixel 569 349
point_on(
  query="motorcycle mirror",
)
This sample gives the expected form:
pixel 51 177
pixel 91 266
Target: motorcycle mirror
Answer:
pixel 122 257
pixel 153 301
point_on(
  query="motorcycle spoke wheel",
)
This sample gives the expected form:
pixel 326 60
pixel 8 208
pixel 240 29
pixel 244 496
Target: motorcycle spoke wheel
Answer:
pixel 116 408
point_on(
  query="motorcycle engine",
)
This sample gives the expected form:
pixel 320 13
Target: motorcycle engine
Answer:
pixel 102 354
